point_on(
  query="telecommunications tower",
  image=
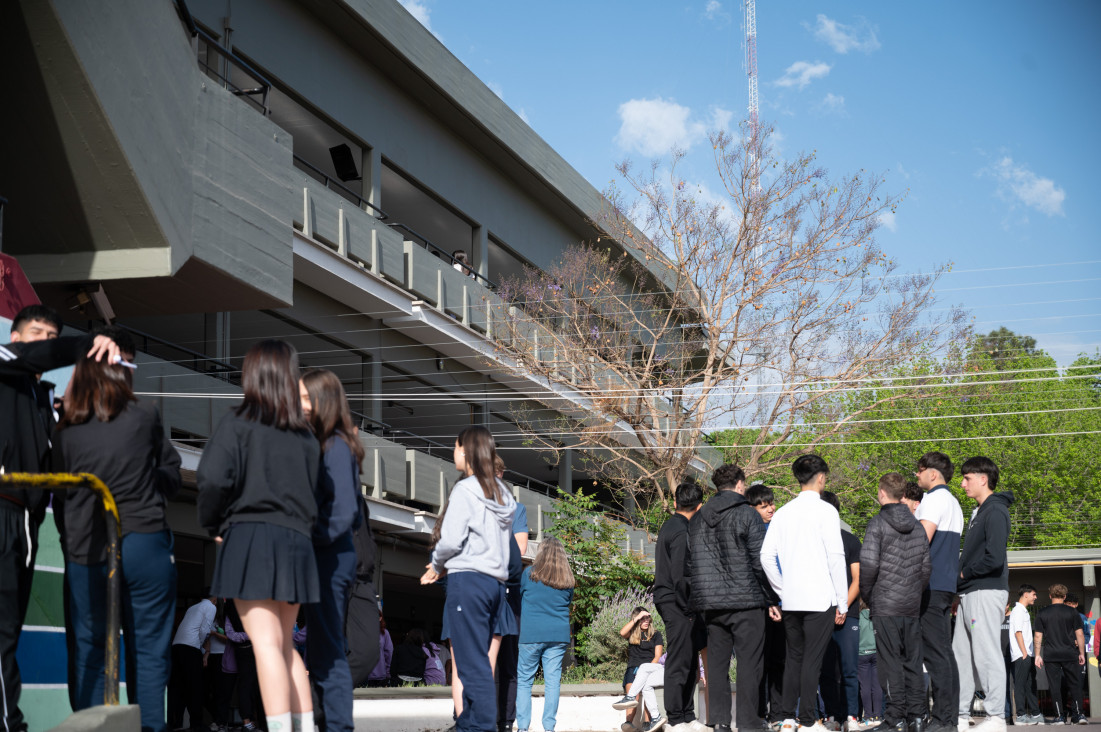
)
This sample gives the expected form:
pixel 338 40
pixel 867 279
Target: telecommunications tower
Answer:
pixel 751 61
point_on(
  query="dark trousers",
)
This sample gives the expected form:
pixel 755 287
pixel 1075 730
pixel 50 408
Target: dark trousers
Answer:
pixel 742 631
pixel 685 636
pixel 898 646
pixel 807 635
pixel 212 689
pixel 185 689
pixel 148 602
pixel 325 648
pixel 473 601
pixel 361 629
pixel 1064 677
pixel 249 703
pixel 838 681
pixel 772 678
pixel 18 546
pixel 508 658
pixel 940 661
pixel 1024 686
pixel 871 693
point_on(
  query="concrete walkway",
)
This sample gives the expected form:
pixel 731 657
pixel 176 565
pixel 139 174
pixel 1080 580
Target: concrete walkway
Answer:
pixel 581 708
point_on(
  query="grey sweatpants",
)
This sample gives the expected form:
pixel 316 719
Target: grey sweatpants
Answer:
pixel 978 651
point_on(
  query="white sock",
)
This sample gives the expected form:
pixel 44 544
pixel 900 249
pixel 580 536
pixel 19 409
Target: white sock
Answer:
pixel 279 722
pixel 303 722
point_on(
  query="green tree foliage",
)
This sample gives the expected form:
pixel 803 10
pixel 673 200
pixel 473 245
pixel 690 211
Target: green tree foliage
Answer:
pixel 595 546
pixel 1013 405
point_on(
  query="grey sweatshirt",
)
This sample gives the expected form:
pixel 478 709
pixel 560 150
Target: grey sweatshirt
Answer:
pixel 475 532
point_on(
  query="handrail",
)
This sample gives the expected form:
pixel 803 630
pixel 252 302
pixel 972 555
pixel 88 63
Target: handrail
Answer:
pixel 195 31
pixel 55 481
pixel 441 252
pixel 328 179
pixel 223 366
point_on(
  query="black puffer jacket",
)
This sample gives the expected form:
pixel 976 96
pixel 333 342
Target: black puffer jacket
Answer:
pixel 724 564
pixel 894 563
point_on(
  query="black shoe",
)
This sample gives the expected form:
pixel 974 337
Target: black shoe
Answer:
pixel 886 726
pixel 722 728
pixel 917 724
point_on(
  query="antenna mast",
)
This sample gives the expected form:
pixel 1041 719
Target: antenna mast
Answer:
pixel 751 61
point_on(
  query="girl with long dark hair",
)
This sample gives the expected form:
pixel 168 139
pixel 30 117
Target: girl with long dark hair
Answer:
pixel 106 431
pixel 474 551
pixel 257 481
pixel 546 591
pixel 338 515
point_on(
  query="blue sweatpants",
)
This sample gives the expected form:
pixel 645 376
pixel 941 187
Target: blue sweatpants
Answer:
pixel 148 595
pixel 326 650
pixel 473 602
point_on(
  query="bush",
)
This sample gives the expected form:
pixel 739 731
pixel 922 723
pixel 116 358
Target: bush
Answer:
pixel 604 650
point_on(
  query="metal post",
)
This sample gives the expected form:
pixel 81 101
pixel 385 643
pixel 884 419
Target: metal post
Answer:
pixel 114 567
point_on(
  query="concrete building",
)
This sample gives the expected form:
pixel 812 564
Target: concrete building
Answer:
pixel 222 172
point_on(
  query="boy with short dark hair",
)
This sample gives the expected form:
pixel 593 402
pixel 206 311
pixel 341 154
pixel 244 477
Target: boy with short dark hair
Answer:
pixel 1021 655
pixel 804 559
pixel 761 497
pixel 1060 645
pixel 894 569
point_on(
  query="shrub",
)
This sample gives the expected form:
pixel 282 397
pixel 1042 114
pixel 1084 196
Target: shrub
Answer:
pixel 600 643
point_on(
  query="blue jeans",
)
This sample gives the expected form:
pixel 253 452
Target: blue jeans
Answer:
pixel 473 602
pixel 148 604
pixel 530 655
pixel 325 645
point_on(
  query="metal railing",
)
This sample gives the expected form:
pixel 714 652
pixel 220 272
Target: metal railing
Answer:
pixel 212 43
pixel 444 254
pixel 69 481
pixel 328 181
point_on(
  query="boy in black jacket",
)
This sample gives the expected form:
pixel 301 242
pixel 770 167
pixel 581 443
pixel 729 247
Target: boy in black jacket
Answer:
pixel 894 569
pixel 984 588
pixel 683 627
pixel 26 421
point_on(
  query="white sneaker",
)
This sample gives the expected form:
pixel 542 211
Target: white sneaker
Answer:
pixel 789 725
pixel 816 727
pixel 991 724
pixel 963 724
pixel 831 724
pixel 696 726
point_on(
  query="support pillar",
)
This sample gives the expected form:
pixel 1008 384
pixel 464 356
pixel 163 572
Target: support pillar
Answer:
pixel 565 470
pixel 479 250
pixel 372 177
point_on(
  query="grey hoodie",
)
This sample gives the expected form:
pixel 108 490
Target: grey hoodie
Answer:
pixel 475 532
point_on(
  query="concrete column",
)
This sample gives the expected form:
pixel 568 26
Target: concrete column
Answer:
pixel 372 176
pixel 479 250
pixel 565 470
pixel 374 382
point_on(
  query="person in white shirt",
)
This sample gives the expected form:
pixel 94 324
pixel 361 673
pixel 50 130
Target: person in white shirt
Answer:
pixel 185 687
pixel 1020 653
pixel 804 560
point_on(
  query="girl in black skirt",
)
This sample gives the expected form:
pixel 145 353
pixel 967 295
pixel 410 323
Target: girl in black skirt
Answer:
pixel 257 481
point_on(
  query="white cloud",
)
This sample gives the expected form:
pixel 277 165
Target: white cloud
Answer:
pixel 496 89
pixel 802 73
pixel 713 10
pixel 832 104
pixel 654 126
pixel 419 10
pixel 524 116
pixel 1016 181
pixel 887 220
pixel 844 38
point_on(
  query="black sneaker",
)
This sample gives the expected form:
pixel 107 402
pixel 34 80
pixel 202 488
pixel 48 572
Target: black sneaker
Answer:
pixel 655 724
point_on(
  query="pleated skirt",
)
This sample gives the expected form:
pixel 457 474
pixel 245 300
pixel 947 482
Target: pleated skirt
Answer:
pixel 259 561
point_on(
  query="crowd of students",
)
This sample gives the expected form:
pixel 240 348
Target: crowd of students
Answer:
pixel 806 609
pixel 833 634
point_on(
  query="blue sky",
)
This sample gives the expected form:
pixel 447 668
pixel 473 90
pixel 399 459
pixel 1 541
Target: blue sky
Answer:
pixel 985 114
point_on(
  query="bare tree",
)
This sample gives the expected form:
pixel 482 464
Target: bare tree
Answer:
pixel 747 312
